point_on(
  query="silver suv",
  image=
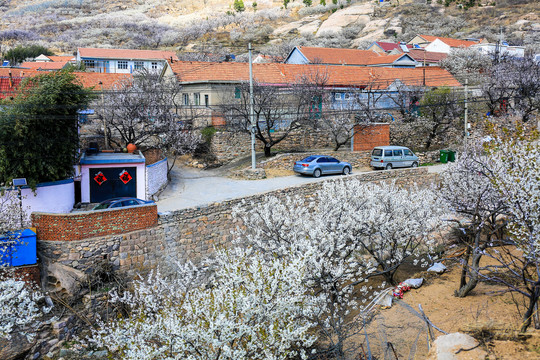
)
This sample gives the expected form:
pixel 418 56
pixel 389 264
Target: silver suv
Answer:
pixel 389 157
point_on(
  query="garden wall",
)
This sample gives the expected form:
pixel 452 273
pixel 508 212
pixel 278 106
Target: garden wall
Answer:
pixel 87 224
pixel 156 177
pixel 189 234
pixel 52 197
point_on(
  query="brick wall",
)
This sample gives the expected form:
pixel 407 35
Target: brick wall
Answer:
pixel 82 225
pixel 367 137
pixel 29 274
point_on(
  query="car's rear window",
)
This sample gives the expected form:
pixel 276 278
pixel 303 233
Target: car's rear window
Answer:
pixel 308 159
pixel 102 206
pixel 377 152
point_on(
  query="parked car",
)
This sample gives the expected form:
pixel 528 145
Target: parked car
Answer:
pixel 389 157
pixel 121 202
pixel 317 165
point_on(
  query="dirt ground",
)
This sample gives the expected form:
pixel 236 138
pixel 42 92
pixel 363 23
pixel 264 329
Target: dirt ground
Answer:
pixel 488 316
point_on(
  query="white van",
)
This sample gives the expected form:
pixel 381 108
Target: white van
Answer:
pixel 389 157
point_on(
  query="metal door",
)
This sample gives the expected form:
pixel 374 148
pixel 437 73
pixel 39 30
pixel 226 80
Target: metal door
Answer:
pixel 108 183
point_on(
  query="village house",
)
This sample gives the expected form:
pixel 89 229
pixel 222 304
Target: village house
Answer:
pixel 208 85
pixel 441 44
pixel 123 61
pixel 349 57
pixel 48 63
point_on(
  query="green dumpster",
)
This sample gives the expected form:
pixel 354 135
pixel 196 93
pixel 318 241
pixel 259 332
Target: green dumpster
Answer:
pixel 451 155
pixel 443 157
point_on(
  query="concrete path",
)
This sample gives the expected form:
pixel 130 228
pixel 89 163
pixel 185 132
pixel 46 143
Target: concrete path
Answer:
pixel 191 187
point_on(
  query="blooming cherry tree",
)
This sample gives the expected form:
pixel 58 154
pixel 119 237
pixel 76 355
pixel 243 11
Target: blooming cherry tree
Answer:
pixel 348 232
pixel 254 307
pixel 518 183
pixel 467 187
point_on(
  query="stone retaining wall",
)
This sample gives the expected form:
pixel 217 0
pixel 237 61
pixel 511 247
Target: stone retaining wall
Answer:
pixel 229 145
pixel 358 159
pixel 189 234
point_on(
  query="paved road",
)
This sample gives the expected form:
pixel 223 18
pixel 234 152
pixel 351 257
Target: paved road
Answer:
pixel 191 187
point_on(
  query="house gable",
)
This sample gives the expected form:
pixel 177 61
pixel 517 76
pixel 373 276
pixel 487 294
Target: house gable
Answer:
pixel 296 57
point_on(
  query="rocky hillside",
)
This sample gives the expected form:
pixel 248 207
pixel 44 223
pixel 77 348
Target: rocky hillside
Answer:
pixel 216 27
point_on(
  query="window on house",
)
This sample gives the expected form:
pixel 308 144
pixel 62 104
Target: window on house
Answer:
pixel 206 100
pixel 237 93
pixel 154 65
pixel 122 65
pixel 185 99
pixel 196 98
pixel 139 65
pixel 338 96
pixel 347 96
pixel 89 63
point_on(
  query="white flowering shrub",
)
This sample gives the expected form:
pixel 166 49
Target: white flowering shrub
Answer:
pixel 254 307
pixel 19 309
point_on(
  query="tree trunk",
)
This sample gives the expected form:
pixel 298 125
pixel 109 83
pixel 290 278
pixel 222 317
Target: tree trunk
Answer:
pixel 532 302
pixel 464 268
pixel 473 276
pixel 473 272
pixel 267 151
pixel 389 277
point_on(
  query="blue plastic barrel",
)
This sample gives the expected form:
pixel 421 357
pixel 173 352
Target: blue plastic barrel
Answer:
pixel 19 249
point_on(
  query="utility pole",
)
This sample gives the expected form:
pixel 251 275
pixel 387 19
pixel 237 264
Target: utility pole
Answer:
pixel 251 114
pixel 104 118
pixel 466 111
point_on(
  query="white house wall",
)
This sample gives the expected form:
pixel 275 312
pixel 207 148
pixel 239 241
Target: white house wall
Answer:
pixel 438 46
pixel 156 177
pixel 53 197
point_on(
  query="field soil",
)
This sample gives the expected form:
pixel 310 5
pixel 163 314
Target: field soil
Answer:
pixel 488 314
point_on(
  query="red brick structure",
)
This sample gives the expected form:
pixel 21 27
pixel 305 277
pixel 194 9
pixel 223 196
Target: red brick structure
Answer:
pixel 367 137
pixel 30 274
pixel 82 225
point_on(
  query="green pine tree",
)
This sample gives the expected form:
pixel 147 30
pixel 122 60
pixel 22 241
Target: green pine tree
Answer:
pixel 239 5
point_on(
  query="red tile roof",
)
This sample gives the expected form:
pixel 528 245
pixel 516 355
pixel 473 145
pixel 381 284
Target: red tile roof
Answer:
pixel 388 46
pixel 108 80
pixel 8 86
pixel 61 58
pixel 430 56
pixel 43 65
pixel 282 74
pixel 87 79
pixel 345 56
pixel 449 41
pixel 127 54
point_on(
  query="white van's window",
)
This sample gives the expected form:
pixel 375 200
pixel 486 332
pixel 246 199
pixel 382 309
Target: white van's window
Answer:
pixel 408 152
pixel 377 152
pixel 387 152
pixel 397 152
